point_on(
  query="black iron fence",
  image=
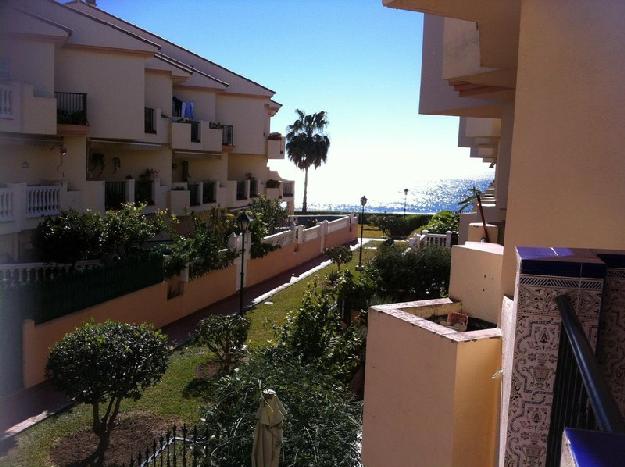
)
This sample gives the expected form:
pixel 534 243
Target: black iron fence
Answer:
pixel 76 290
pixel 227 137
pixel 195 132
pixel 149 124
pixel 241 190
pixel 143 192
pixel 179 447
pixel 194 189
pixel 581 398
pixel 209 192
pixel 114 195
pixel 71 108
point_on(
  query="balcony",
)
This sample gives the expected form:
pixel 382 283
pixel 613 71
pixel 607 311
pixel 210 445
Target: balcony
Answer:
pixel 196 136
pixel 71 108
pixel 275 146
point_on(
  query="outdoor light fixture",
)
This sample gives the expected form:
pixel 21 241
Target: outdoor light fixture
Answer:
pixel 243 220
pixel 405 198
pixel 363 201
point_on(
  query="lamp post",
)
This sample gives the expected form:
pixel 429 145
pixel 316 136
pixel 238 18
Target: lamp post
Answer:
pixel 405 199
pixel 363 201
pixel 243 220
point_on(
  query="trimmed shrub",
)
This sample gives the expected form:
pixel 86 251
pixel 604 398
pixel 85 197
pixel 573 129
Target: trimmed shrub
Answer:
pixel 411 274
pixel 339 255
pixel 399 226
pixel 443 222
pixel 225 336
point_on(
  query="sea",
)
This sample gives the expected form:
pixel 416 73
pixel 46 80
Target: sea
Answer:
pixel 424 196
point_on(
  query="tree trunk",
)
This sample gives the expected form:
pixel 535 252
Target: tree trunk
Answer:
pixel 305 203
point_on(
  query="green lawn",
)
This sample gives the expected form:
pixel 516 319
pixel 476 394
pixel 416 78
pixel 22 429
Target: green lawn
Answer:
pixel 166 399
pixel 371 231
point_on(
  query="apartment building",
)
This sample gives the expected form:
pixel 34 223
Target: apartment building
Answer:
pixel 95 112
pixel 538 89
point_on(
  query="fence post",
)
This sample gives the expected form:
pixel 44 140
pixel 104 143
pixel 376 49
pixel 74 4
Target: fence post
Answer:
pixel 19 204
pixel 448 239
pixel 129 191
pixel 233 243
pixel 323 231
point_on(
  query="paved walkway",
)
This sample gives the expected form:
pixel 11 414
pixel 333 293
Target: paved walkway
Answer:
pixel 25 408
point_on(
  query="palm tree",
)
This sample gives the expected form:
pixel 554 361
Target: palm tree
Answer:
pixel 307 144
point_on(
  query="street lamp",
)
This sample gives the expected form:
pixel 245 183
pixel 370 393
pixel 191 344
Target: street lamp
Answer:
pixel 244 220
pixel 405 198
pixel 363 201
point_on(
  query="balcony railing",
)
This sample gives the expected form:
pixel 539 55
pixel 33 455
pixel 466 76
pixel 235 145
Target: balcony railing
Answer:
pixel 7 213
pixel 195 132
pixel 581 398
pixel 241 190
pixel 114 195
pixel 253 188
pixel 149 120
pixel 6 101
pixel 71 108
pixel 208 193
pixel 43 200
pixel 287 189
pixel 227 138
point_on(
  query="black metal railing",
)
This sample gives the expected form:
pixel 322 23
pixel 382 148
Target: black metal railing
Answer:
pixel 253 188
pixel 143 192
pixel 195 132
pixel 227 137
pixel 208 193
pixel 194 189
pixel 77 290
pixel 581 398
pixel 71 108
pixel 179 447
pixel 114 195
pixel 149 120
pixel 241 190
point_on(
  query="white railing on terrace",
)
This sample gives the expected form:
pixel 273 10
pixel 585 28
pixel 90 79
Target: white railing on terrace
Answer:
pixel 36 272
pixel 6 101
pixel 338 224
pixel 43 200
pixel 280 239
pixel 6 205
pixel 431 239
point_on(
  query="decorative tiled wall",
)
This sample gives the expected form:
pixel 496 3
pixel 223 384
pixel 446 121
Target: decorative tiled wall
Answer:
pixel 611 341
pixel 543 274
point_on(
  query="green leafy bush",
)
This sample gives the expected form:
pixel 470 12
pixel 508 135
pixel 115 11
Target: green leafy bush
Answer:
pixel 225 336
pixel 269 212
pixel 339 255
pixel 102 364
pixel 321 427
pixel 443 222
pixel 399 226
pixel 69 237
pixel 411 274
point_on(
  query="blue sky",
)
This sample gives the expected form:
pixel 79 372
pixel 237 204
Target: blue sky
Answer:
pixel 355 59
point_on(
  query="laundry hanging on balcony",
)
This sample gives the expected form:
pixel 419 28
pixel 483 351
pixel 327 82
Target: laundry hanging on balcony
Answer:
pixel 187 110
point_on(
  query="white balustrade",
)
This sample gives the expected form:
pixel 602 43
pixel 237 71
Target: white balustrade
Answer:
pixel 43 200
pixel 23 273
pixel 6 101
pixel 431 239
pixel 7 213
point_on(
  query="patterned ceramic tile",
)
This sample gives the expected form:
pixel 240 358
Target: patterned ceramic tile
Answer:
pixel 611 342
pixel 537 337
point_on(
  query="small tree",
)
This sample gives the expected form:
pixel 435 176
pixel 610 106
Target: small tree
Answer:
pixel 339 255
pixel 102 364
pixel 224 336
pixel 269 212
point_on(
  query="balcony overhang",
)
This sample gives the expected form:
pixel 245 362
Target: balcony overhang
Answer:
pixel 204 155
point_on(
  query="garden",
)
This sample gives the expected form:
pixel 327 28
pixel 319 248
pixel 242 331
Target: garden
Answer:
pixel 307 343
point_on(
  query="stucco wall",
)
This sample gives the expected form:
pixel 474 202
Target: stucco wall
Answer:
pixel 114 84
pixel 133 162
pixel 567 170
pixel 240 165
pixel 31 62
pixel 203 103
pixel 158 91
pixel 250 120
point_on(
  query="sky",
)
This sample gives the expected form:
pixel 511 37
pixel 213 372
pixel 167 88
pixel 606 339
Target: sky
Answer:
pixel 355 59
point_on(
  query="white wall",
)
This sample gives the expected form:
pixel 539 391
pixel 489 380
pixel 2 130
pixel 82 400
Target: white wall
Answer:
pixel 250 119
